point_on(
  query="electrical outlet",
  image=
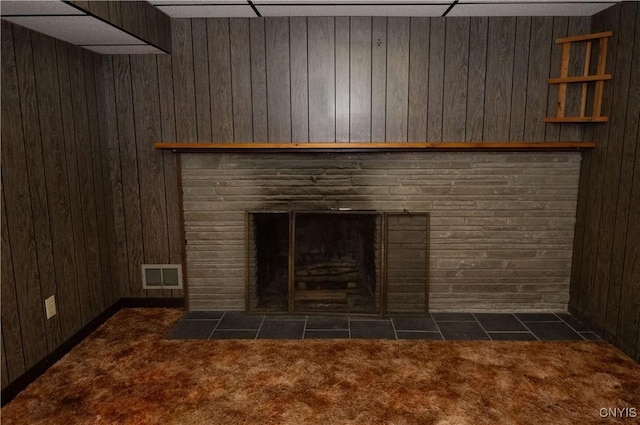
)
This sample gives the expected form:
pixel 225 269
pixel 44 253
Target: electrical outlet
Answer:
pixel 50 306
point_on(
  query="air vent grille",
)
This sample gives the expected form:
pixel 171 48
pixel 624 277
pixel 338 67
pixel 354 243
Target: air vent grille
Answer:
pixel 162 276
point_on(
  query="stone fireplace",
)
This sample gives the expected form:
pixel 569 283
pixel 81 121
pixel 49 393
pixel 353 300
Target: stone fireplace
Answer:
pixel 499 228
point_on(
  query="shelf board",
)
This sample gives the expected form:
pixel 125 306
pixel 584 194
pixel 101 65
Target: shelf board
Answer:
pixel 585 37
pixel 376 146
pixel 576 119
pixel 583 79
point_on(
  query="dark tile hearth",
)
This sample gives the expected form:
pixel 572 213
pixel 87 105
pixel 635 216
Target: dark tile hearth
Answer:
pixel 436 326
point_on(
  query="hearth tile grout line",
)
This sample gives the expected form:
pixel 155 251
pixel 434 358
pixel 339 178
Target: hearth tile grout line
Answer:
pixel 573 329
pixel 217 324
pixel 438 328
pixel 393 326
pixel 528 328
pixel 259 328
pixel 304 330
pixel 483 329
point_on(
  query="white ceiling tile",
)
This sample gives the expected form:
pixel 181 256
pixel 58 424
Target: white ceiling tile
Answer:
pixel 201 2
pixel 529 9
pixel 537 1
pixel 353 10
pixel 209 11
pixel 78 30
pixel 125 50
pixel 50 7
pixel 350 2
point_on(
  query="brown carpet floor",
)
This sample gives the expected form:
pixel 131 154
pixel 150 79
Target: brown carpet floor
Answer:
pixel 127 373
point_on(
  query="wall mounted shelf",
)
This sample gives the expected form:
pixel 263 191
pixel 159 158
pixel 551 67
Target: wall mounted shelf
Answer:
pixel 376 147
pixel 598 78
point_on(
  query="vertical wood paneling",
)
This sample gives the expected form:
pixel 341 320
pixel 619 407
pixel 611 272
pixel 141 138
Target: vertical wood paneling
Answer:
pixel 560 25
pixel 299 79
pixel 5 370
pixel 259 80
pixel 87 190
pixel 182 60
pixel 241 80
pixel 378 78
pixel 34 154
pixel 220 80
pixel 203 98
pixel 479 28
pixel 60 210
pixel 624 212
pixel 360 80
pixel 576 26
pixel 322 80
pixel 519 85
pixel 455 79
pixel 436 79
pixel 538 73
pixel 11 320
pixel 129 171
pixel 112 174
pixel 606 258
pixel 342 78
pixel 418 79
pixel 500 57
pixel 102 207
pixel 397 79
pixel 19 223
pixel 278 79
pixel 75 202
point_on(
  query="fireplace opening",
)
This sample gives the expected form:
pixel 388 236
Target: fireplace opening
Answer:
pixel 335 262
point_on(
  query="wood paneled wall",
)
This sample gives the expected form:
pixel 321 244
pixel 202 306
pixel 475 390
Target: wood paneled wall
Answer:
pixel 55 215
pixel 368 79
pixel 605 287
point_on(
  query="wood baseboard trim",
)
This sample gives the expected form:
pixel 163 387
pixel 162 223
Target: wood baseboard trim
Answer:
pixel 20 383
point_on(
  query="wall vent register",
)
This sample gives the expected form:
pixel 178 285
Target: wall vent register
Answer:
pixel 161 276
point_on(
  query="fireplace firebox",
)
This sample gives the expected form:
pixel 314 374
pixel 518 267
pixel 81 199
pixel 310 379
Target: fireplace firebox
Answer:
pixel 336 261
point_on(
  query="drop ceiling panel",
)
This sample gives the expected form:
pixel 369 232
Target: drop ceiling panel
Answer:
pixel 352 10
pixel 196 2
pixel 9 8
pixel 78 30
pixel 529 9
pixel 351 2
pixel 209 11
pixel 143 49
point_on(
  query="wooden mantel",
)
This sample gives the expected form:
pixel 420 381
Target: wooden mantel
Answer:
pixel 377 147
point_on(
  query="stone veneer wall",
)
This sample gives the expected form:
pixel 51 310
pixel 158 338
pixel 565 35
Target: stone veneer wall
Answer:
pixel 502 224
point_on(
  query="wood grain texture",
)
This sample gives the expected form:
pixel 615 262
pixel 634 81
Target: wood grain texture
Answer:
pixel 360 80
pixel 203 98
pixel 241 80
pixel 85 172
pixel 322 79
pixel 184 90
pixel 500 57
pixel 436 79
pixel 342 79
pixel 129 171
pixel 220 80
pixel 455 79
pixel 418 79
pixel 59 200
pixel 538 72
pixel 560 26
pixel 299 79
pixel 13 354
pixel 520 77
pixel 259 80
pixel 29 110
pixel 4 371
pixel 624 213
pixel 153 208
pixel 378 78
pixel 75 203
pixel 397 79
pixel 478 31
pixel 112 175
pixel 278 79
